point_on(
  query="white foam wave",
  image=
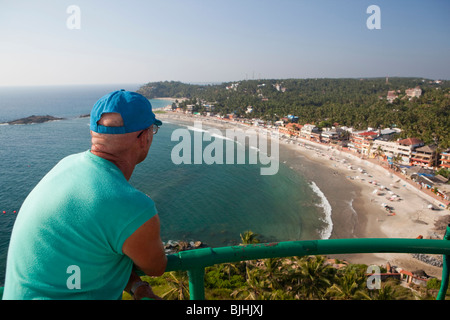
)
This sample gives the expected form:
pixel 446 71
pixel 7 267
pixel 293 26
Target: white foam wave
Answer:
pixel 196 129
pixel 325 233
pixel 354 214
pixel 221 137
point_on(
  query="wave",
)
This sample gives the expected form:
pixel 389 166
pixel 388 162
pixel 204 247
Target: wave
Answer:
pixel 354 214
pixel 325 233
pixel 196 129
pixel 221 137
pixel 213 135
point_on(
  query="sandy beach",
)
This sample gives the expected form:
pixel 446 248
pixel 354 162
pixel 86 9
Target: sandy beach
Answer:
pixel 368 187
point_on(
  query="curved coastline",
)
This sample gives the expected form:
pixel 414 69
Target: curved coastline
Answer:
pixel 325 233
pixel 356 211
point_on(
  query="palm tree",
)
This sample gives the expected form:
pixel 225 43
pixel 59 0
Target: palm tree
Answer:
pixel 255 288
pixel 392 290
pixel 348 287
pixel 248 237
pixel 179 286
pixel 228 268
pixel 378 153
pixel 273 273
pixel 313 277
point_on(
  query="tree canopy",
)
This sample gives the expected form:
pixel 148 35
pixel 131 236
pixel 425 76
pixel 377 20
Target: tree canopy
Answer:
pixel 357 103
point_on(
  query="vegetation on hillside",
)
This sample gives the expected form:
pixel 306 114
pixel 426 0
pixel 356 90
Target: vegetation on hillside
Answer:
pixel 294 278
pixel 357 103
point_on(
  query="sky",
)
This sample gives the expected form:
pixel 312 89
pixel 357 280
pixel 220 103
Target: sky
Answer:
pixel 45 42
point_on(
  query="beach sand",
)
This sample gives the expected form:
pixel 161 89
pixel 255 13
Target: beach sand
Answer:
pixel 412 217
pixel 349 183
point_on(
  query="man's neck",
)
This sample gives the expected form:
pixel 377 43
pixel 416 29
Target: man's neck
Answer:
pixel 125 165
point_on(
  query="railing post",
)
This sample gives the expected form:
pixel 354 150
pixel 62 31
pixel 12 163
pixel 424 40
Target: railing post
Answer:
pixel 445 270
pixel 196 283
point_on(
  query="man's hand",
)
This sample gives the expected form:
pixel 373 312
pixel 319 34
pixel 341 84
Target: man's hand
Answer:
pixel 141 288
pixel 145 291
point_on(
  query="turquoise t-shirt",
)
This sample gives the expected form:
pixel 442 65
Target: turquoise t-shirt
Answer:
pixel 67 239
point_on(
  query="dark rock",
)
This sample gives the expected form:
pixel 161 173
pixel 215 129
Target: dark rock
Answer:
pixel 34 119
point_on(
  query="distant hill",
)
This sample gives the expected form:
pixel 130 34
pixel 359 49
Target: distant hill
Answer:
pixel 357 103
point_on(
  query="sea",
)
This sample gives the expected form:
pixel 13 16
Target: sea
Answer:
pixel 211 203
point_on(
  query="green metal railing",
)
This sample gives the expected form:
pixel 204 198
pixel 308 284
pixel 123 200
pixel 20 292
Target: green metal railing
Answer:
pixel 195 261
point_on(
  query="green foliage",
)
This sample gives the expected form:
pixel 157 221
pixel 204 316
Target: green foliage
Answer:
pixel 434 284
pixel 248 237
pixel 357 103
pixel 444 172
pixel 224 276
pixel 304 278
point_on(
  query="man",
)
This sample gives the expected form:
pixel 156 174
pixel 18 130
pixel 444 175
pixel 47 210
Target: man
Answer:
pixel 83 228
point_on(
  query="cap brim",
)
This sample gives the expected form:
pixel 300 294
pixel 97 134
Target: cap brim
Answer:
pixel 157 122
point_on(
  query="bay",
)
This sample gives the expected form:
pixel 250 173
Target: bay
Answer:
pixel 210 203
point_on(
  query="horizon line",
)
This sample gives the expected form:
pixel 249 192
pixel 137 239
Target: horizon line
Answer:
pixel 211 82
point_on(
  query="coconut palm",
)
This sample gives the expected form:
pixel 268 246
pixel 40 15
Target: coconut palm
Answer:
pixel 312 278
pixel 248 237
pixel 350 286
pixel 179 286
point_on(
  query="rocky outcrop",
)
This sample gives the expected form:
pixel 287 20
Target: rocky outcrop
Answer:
pixel 177 246
pixel 34 119
pixel 434 261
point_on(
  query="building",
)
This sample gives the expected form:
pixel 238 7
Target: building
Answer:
pixel 407 146
pixel 330 136
pixel 291 129
pixel 417 277
pixel 425 156
pixel 414 92
pixel 361 141
pixel 399 151
pixel 310 132
pixel 292 118
pixel 387 134
pixel 444 162
pixel 390 149
pixel 391 96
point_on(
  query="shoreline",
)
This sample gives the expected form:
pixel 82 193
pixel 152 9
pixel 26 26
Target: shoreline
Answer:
pixel 410 217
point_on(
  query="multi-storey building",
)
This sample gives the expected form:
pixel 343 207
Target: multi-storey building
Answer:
pixel 445 159
pixel 310 132
pixel 425 156
pixel 407 146
pixel 361 141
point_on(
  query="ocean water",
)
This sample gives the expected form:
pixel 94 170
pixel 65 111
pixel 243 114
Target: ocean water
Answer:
pixel 210 203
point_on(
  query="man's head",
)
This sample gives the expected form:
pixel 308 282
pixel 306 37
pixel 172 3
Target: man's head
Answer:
pixel 121 128
pixel 135 110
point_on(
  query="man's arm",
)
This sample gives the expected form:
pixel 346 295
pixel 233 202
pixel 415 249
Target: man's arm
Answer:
pixel 146 249
pixel 139 289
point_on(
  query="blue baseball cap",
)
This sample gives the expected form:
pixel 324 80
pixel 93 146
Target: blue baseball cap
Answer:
pixel 135 109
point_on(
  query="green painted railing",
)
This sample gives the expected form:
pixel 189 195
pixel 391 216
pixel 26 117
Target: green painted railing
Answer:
pixel 195 261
